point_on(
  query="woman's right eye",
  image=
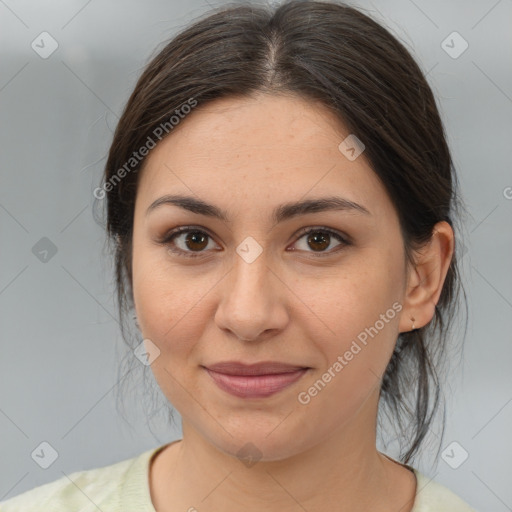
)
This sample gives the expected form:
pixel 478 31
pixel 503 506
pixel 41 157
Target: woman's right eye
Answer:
pixel 194 239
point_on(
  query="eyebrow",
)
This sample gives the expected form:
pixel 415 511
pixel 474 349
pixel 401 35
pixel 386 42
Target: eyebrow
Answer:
pixel 281 213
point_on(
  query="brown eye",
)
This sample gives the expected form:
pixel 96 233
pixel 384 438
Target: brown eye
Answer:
pixel 317 240
pixel 195 240
pixel 187 242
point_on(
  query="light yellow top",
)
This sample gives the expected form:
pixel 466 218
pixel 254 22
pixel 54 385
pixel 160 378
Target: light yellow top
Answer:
pixel 124 487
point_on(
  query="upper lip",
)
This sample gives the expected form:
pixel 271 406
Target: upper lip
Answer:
pixel 263 368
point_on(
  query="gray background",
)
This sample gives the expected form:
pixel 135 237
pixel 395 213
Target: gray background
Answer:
pixel 60 341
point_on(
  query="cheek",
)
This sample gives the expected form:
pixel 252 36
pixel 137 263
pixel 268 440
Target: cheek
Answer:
pixel 357 320
pixel 154 294
pixel 170 313
pixel 162 304
pixel 354 358
pixel 169 301
pixel 354 295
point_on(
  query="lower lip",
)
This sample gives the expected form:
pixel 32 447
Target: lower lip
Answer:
pixel 255 386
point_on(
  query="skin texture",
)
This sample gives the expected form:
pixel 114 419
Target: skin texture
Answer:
pixel 248 156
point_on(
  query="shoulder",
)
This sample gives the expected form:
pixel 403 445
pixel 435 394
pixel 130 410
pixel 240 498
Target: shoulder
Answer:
pixel 431 496
pixel 82 490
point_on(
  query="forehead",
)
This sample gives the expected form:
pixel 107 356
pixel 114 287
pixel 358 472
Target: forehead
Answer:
pixel 259 150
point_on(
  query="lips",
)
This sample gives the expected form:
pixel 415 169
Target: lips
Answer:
pixel 258 380
pixel 264 368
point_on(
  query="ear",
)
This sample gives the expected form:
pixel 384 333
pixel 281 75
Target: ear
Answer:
pixel 426 278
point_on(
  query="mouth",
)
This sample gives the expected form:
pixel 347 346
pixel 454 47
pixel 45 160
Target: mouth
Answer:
pixel 258 380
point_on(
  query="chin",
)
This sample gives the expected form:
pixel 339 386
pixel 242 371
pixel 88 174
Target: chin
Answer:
pixel 253 445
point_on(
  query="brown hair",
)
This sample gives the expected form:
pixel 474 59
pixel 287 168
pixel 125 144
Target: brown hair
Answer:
pixel 328 52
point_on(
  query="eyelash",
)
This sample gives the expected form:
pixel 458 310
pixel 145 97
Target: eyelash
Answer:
pixel 168 238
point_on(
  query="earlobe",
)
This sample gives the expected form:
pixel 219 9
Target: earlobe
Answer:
pixel 427 277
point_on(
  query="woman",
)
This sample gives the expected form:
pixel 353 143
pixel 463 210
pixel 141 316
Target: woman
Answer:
pixel 282 200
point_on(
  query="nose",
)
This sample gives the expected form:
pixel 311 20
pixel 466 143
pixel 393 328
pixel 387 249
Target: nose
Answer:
pixel 253 301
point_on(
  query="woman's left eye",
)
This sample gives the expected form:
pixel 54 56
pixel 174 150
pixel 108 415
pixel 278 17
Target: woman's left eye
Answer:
pixel 196 242
pixel 321 238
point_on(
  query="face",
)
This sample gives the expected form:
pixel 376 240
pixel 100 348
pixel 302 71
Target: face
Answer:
pixel 256 287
